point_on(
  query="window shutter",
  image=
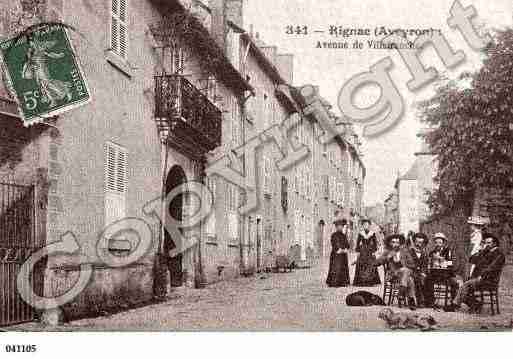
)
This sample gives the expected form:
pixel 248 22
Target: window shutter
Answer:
pixel 233 224
pixel 211 219
pixel 303 180
pixel 235 124
pixel 115 168
pixel 342 192
pixel 121 175
pixel 267 176
pixel 182 60
pixel 119 28
pixel 325 186
pixel 234 198
pixel 110 168
pixel 114 29
pixel 228 197
pixel 176 58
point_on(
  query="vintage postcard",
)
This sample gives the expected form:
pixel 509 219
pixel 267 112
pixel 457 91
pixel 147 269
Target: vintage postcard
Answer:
pixel 244 165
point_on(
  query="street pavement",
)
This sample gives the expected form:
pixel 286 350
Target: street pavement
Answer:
pixel 278 301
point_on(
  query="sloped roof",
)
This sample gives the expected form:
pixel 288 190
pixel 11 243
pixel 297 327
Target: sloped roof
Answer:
pixel 412 173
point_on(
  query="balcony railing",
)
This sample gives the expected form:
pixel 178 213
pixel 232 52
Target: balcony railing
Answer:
pixel 8 106
pixel 194 118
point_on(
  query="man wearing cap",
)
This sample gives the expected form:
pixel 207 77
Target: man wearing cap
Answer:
pixel 397 262
pixel 489 261
pixel 441 256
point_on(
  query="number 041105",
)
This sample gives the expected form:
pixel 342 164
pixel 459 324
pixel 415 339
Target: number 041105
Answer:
pixel 17 348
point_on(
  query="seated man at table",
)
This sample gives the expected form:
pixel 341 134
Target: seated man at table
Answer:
pixel 488 261
pixel 418 263
pixel 441 265
pixel 397 262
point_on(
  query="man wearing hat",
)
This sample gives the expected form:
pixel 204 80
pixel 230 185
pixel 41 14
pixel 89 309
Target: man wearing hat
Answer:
pixel 397 262
pixel 441 253
pixel 489 261
pixel 441 256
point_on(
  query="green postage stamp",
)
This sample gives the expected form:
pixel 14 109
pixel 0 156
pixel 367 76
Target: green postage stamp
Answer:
pixel 43 72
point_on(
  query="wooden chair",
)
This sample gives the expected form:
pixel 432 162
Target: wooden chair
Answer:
pixel 391 291
pixel 441 285
pixel 442 291
pixel 492 292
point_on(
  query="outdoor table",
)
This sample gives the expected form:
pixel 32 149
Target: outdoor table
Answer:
pixel 441 278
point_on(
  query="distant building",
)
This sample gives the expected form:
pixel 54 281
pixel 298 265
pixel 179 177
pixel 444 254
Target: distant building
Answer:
pixel 413 190
pixel 407 191
pixel 391 216
pixel 376 213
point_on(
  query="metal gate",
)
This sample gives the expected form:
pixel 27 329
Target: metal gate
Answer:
pixel 17 243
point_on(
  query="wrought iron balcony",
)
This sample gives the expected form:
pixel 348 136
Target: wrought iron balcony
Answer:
pixel 195 122
pixel 8 106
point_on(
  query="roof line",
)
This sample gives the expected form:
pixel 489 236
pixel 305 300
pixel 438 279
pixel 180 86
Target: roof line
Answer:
pixel 267 64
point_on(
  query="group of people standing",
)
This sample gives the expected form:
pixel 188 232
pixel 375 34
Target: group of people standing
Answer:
pixel 366 274
pixel 415 269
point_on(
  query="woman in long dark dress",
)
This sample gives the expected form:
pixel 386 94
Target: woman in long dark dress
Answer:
pixel 366 274
pixel 338 274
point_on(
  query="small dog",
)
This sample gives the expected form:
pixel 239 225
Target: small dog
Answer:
pixel 363 299
pixel 407 320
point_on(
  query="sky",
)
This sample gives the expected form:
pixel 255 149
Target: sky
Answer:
pixel 393 151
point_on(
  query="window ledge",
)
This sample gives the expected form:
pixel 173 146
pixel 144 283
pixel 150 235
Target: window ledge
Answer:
pixel 118 63
pixel 211 240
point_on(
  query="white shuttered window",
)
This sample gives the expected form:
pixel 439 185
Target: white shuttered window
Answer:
pixel 115 169
pixel 119 28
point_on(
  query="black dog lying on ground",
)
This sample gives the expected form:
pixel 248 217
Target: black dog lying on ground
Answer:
pixel 363 299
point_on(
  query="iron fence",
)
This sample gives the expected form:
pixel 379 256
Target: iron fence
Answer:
pixel 17 243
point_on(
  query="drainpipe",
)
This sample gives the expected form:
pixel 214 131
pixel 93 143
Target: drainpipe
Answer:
pixel 160 281
pixel 244 256
pixel 200 279
pixel 245 220
pixel 165 155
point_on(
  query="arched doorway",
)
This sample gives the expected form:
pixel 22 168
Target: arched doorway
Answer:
pixel 175 178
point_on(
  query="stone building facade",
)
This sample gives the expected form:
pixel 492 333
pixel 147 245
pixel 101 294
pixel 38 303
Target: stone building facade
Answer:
pixel 105 161
pixel 160 111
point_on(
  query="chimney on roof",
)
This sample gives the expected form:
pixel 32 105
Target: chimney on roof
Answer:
pixel 234 11
pixel 218 22
pixel 223 11
pixel 285 64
